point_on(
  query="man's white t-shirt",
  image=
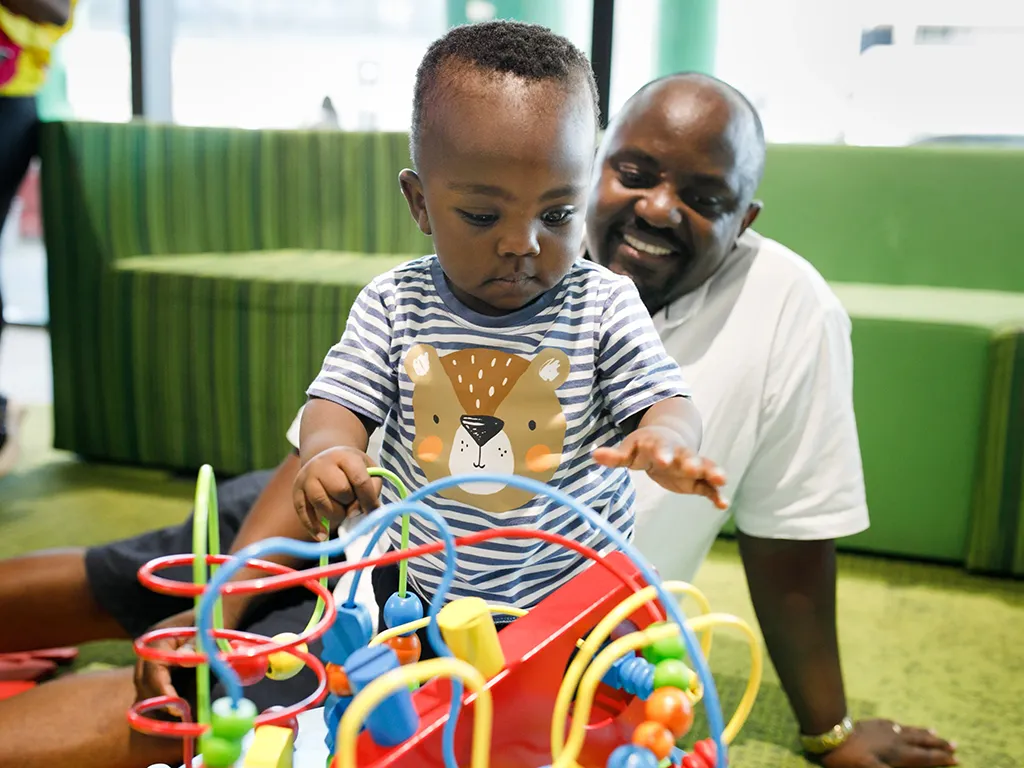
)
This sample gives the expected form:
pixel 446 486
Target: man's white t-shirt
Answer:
pixel 765 348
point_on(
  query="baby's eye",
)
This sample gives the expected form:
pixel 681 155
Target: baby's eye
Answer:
pixel 558 216
pixel 478 219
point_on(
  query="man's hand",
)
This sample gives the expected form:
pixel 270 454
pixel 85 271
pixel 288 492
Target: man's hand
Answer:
pixel 333 485
pixel 153 678
pixel 885 744
pixel 662 453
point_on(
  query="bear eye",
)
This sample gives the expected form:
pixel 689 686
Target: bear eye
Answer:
pixel 532 425
pixel 436 420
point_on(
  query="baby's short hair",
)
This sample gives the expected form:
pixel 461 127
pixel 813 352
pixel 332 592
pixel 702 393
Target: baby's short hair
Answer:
pixel 528 51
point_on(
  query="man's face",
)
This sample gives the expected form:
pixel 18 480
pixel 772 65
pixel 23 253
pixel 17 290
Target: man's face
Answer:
pixel 672 190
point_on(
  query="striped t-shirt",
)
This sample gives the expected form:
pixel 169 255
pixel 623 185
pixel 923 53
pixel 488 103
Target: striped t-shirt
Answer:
pixel 530 393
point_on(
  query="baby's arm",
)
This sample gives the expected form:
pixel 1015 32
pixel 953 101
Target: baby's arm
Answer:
pixel 333 482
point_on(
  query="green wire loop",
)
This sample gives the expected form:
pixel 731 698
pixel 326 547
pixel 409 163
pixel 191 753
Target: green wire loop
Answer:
pixel 206 541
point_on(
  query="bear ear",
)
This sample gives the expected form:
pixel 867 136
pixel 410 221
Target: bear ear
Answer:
pixel 551 366
pixel 419 360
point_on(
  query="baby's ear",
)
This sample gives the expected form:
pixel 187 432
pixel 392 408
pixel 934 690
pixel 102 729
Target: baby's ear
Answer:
pixel 412 188
pixel 551 366
pixel 419 360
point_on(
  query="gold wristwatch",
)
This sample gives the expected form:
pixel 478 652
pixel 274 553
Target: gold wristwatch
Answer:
pixel 829 740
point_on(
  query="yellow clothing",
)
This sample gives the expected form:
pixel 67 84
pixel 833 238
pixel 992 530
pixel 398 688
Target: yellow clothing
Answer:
pixel 36 41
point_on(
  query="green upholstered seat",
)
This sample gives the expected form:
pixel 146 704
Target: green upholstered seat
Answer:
pixel 225 345
pixel 198 276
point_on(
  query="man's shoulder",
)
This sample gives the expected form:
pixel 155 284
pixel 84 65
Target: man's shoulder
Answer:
pixel 782 272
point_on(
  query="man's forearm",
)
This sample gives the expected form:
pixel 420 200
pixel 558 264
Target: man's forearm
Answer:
pixel 793 589
pixel 41 11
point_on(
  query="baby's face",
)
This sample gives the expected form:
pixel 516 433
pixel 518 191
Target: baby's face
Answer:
pixel 504 170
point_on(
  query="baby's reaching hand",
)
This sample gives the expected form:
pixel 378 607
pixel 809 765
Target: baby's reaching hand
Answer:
pixel 662 454
pixel 333 485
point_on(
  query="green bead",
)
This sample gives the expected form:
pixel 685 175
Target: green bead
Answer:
pixel 219 752
pixel 672 673
pixel 230 723
pixel 668 648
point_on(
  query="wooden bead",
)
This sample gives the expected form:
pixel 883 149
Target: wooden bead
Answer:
pixel 406 647
pixel 655 737
pixel 337 681
pixel 671 708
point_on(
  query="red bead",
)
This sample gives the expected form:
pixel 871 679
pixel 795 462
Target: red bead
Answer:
pixel 407 647
pixel 250 669
pixel 671 708
pixel 337 680
pixel 707 750
pixel 693 761
pixel 655 737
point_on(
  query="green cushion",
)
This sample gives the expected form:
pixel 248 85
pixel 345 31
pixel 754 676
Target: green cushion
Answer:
pixel 223 346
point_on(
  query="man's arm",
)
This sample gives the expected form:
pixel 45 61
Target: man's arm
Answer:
pixel 793 589
pixel 41 11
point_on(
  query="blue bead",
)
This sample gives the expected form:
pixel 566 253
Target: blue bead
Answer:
pixel 400 610
pixel 632 756
pixel 334 708
pixel 351 630
pixel 394 720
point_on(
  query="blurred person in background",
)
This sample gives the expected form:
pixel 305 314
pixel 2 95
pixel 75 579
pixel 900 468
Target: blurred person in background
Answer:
pixel 28 31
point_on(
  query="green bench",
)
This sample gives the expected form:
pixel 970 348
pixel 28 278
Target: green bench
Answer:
pixel 932 392
pixel 197 278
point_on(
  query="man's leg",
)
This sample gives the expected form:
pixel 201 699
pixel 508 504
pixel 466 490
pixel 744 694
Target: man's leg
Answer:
pixel 46 602
pixel 79 720
pixel 61 598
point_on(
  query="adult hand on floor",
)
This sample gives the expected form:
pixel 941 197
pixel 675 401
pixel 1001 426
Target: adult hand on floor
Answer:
pixel 153 678
pixel 885 744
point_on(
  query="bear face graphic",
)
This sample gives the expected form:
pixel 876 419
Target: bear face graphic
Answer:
pixel 481 411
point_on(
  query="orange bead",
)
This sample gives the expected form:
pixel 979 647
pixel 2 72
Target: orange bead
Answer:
pixel 337 680
pixel 671 708
pixel 655 737
pixel 406 647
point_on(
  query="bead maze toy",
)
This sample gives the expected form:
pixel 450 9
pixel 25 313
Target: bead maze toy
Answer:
pixel 605 671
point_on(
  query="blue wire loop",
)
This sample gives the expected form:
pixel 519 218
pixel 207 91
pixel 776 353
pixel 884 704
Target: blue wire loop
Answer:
pixel 414 504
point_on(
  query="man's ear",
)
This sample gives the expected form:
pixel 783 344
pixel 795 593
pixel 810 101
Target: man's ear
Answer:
pixel 751 215
pixel 412 188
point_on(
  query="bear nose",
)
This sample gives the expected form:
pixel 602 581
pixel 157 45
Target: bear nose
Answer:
pixel 482 428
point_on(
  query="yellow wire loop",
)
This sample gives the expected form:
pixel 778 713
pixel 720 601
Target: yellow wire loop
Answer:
pixel 588 686
pixel 396 679
pixel 596 639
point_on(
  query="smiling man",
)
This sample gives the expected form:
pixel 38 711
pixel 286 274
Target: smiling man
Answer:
pixel 765 345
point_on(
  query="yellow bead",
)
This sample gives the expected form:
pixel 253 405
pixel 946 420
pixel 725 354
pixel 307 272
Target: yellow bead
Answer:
pixel 283 665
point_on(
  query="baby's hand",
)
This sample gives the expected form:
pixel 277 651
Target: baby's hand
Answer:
pixel 661 453
pixel 334 484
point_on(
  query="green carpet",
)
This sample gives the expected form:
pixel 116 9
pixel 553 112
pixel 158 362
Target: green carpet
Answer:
pixel 929 645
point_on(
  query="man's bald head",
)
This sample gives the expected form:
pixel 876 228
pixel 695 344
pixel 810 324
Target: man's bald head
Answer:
pixel 688 96
pixel 674 190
